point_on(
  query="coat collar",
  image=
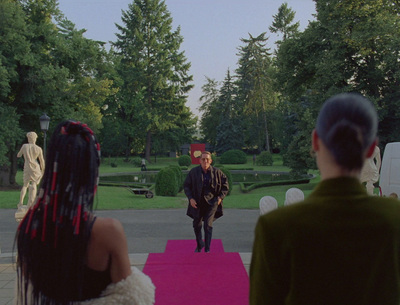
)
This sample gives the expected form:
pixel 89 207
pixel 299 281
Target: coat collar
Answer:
pixel 336 187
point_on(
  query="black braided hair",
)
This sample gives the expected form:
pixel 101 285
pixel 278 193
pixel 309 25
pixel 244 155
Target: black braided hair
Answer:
pixel 52 238
pixel 347 124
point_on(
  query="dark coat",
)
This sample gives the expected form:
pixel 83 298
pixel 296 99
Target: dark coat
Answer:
pixel 193 186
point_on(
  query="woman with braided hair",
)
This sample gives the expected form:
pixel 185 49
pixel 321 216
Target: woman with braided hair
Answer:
pixel 67 255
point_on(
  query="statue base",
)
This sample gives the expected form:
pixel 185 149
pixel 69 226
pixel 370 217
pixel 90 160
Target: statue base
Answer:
pixel 20 213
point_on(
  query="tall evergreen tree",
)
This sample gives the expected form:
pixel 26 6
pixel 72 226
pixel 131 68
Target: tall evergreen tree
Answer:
pixel 229 130
pixel 210 111
pixel 283 22
pixel 154 72
pixel 256 89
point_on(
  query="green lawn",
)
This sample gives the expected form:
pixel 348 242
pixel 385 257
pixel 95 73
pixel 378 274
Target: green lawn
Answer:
pixel 120 198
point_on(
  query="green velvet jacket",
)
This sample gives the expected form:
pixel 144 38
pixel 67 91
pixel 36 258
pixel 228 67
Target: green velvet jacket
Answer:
pixel 340 246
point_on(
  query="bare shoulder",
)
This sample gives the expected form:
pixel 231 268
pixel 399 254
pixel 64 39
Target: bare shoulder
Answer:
pixel 109 230
pixel 108 224
pixel 108 239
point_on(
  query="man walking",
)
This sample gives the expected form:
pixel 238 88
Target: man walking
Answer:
pixel 206 187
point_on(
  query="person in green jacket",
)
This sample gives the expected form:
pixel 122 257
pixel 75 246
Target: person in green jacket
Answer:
pixel 339 246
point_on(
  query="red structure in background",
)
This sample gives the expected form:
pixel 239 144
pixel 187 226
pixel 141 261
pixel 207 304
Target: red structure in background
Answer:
pixel 195 152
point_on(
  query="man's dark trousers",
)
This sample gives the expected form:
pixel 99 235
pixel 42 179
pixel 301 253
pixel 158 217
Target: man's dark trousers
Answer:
pixel 206 214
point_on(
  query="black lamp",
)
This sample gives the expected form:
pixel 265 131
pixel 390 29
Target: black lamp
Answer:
pixel 44 126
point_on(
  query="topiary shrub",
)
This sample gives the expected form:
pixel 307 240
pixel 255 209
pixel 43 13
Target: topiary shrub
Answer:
pixel 185 160
pixel 265 158
pixel 166 182
pixel 136 161
pixel 233 156
pixel 179 176
pixel 229 176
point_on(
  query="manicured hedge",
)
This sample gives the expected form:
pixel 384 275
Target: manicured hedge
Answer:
pixel 265 159
pixel 246 187
pixel 233 156
pixel 136 161
pixel 179 176
pixel 166 182
pixel 185 160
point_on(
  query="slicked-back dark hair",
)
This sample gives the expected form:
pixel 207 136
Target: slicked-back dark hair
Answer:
pixel 53 236
pixel 347 124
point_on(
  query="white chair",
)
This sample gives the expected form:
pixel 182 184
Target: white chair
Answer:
pixel 293 195
pixel 267 204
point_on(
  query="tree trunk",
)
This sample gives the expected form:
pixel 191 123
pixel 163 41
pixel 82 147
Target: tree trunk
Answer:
pixel 266 127
pixel 8 172
pixel 5 176
pixel 266 134
pixel 148 146
pixel 128 148
pixel 13 168
pixel 127 152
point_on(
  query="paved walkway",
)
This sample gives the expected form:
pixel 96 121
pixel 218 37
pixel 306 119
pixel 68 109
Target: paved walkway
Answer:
pixel 147 231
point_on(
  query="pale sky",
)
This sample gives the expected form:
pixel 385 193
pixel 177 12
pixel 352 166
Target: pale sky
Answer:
pixel 211 29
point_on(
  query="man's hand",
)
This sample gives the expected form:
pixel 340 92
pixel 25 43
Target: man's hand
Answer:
pixel 193 203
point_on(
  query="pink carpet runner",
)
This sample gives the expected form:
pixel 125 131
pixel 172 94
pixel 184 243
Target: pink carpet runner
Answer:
pixel 184 277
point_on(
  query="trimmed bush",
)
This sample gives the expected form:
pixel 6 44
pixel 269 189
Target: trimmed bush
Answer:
pixel 136 161
pixel 184 160
pixel 247 187
pixel 166 182
pixel 233 156
pixel 179 176
pixel 265 159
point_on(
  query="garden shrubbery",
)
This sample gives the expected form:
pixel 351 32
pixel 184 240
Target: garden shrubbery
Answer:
pixel 136 161
pixel 167 182
pixel 179 176
pixel 185 160
pixel 233 156
pixel 265 159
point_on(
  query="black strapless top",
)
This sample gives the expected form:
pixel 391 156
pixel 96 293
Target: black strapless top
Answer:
pixel 94 282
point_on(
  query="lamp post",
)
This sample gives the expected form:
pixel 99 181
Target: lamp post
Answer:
pixel 44 126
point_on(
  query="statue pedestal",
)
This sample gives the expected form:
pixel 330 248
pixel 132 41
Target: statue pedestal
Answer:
pixel 20 213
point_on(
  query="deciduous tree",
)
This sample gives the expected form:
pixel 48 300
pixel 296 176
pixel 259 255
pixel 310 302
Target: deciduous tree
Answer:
pixel 46 65
pixel 351 46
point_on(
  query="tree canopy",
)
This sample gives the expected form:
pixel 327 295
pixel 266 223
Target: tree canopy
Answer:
pixel 351 46
pixel 134 94
pixel 46 66
pixel 154 73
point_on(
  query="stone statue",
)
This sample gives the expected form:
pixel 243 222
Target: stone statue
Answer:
pixel 33 171
pixel 370 170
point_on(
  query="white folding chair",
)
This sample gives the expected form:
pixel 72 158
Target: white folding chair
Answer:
pixel 267 204
pixel 293 195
